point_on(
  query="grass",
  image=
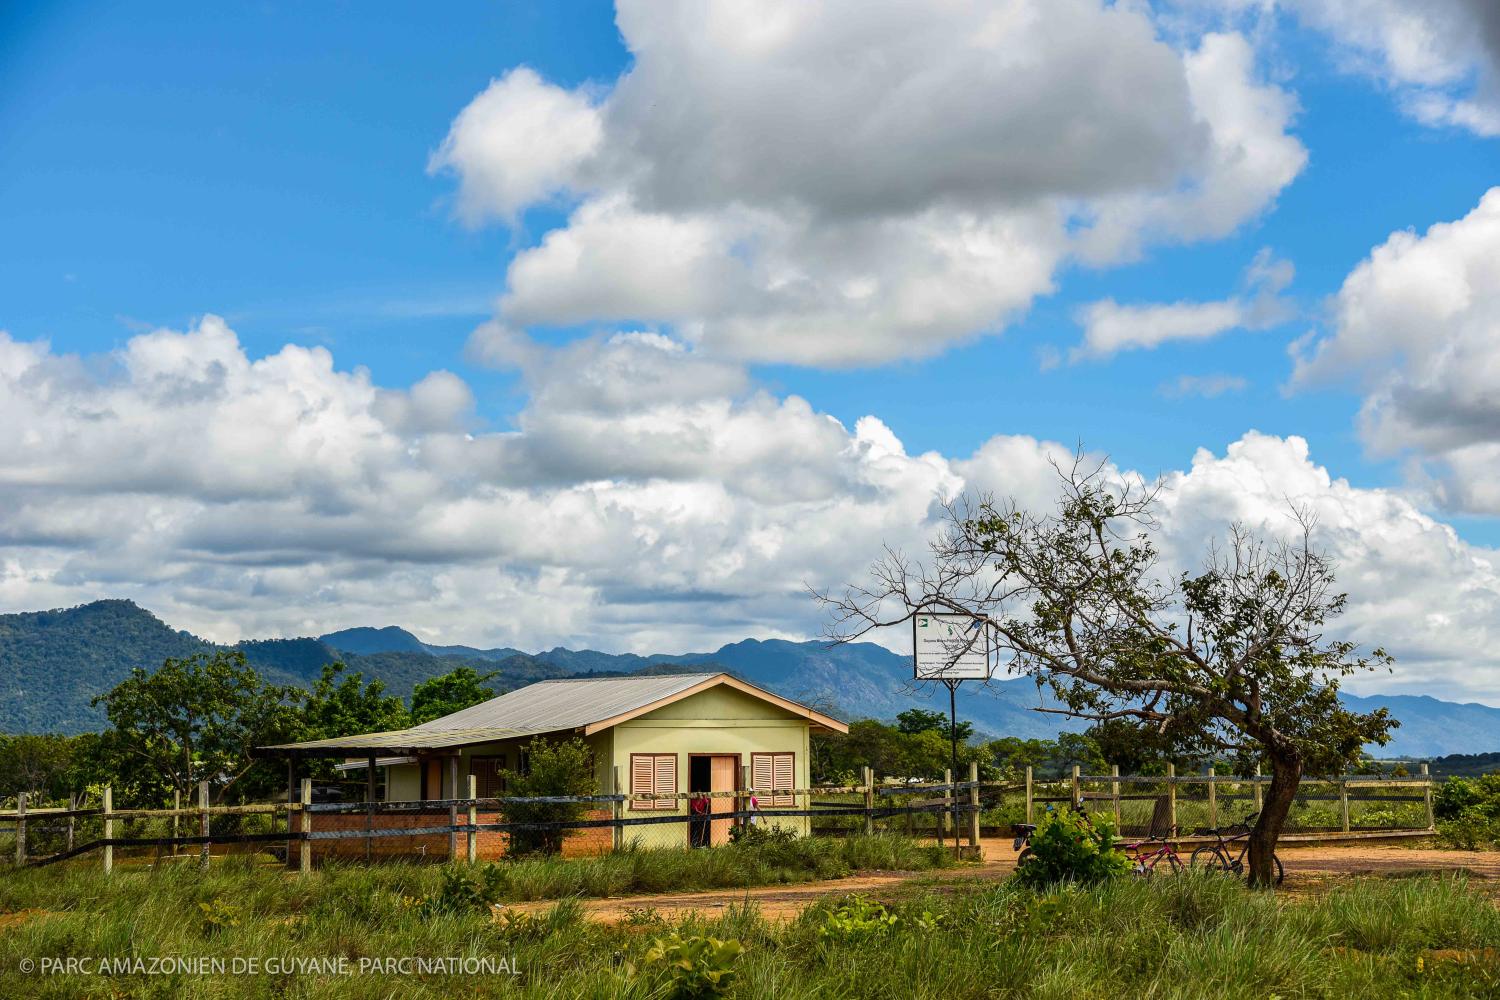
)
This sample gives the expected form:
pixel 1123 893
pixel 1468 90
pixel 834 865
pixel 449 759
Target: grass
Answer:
pixel 1181 938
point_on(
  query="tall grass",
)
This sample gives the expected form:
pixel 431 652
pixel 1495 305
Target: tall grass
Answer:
pixel 1176 939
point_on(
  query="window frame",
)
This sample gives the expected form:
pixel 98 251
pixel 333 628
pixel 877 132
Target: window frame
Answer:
pixel 667 803
pixel 774 801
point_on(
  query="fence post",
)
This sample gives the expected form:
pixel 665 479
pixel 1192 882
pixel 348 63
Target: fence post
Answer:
pixel 370 808
pixel 20 829
pixel 974 804
pixel 109 829
pixel 1344 801
pixel 1077 802
pixel 453 809
pixel 1028 794
pixel 1171 796
pixel 176 805
pixel 947 803
pixel 617 808
pixel 1427 796
pixel 1256 790
pixel 1114 794
pixel 304 849
pixel 747 785
pixel 869 781
pixel 72 808
pixel 1213 796
pixel 473 835
pixel 203 820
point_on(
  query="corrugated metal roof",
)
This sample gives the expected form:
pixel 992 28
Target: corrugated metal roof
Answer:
pixel 569 703
pixel 404 740
pixel 543 707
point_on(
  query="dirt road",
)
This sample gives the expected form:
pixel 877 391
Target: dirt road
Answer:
pixel 1309 869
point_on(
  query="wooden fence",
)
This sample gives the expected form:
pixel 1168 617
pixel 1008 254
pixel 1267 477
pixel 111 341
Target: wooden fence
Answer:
pixel 955 809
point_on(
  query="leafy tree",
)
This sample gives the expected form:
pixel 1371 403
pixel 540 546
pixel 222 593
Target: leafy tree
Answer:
pixel 340 704
pixel 921 720
pixel 196 719
pixel 40 765
pixel 1015 755
pixel 553 768
pixel 1230 659
pixel 448 693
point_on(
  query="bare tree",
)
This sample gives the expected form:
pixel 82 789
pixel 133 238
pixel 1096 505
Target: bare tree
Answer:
pixel 1230 659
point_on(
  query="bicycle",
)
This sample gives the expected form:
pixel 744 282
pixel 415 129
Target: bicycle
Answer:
pixel 1216 857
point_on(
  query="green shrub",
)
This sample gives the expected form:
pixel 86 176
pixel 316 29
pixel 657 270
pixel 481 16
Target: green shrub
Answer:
pixel 1458 796
pixel 1468 832
pixel 1068 847
pixel 219 914
pixel 692 966
pixel 857 918
pixel 554 768
pixel 464 890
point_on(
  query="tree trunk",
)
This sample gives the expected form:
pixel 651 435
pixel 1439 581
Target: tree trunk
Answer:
pixel 1286 775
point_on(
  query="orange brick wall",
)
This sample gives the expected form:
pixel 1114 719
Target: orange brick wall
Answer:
pixel 490 844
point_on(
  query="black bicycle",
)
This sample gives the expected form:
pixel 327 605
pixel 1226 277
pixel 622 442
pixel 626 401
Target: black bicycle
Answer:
pixel 1220 857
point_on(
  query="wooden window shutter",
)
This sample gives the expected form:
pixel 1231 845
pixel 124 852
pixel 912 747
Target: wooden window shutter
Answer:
pixel 762 777
pixel 642 780
pixel 666 780
pixel 785 775
pixel 773 770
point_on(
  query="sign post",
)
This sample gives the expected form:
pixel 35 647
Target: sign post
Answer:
pixel 950 648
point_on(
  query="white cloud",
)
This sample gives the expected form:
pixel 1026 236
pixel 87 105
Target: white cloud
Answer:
pixel 847 183
pixel 649 498
pixel 1417 326
pixel 522 140
pixel 1439 58
pixel 1203 386
pixel 1110 327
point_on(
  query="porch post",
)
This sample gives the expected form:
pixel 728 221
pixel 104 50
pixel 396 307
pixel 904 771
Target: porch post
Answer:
pixel 453 808
pixel 369 807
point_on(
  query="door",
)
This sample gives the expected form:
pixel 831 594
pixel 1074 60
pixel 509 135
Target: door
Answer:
pixel 724 776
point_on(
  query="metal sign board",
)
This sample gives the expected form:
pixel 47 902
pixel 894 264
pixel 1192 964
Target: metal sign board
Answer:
pixel 950 647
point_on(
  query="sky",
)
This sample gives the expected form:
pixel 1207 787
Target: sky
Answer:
pixel 570 324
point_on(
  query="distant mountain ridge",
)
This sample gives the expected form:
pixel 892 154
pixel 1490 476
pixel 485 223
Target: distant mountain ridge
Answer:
pixel 53 662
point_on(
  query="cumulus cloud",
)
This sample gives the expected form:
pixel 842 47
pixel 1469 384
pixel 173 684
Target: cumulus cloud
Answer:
pixel 1439 58
pixel 649 497
pixel 522 140
pixel 1417 326
pixel 847 183
pixel 1109 327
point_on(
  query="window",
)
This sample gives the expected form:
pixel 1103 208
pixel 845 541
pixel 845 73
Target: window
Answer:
pixel 489 775
pixel 653 774
pixel 774 770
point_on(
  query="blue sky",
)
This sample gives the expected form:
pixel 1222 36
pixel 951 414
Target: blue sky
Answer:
pixel 269 164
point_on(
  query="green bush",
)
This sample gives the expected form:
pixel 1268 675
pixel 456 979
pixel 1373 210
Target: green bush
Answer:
pixel 1459 796
pixel 464 890
pixel 1068 847
pixel 560 768
pixel 857 918
pixel 692 966
pixel 1467 811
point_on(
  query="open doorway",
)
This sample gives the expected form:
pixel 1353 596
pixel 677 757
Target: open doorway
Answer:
pixel 711 773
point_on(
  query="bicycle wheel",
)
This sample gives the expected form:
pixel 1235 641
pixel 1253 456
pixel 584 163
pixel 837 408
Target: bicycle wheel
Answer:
pixel 1173 862
pixel 1276 863
pixel 1025 856
pixel 1209 858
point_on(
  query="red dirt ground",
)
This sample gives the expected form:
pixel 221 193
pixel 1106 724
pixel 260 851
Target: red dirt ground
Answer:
pixel 1309 869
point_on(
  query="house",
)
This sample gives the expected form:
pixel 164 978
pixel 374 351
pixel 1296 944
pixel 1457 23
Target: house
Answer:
pixel 665 735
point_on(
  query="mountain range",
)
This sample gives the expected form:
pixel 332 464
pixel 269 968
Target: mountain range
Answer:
pixel 53 662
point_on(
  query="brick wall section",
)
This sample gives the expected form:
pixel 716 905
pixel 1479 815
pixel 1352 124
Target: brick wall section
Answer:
pixel 490 844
